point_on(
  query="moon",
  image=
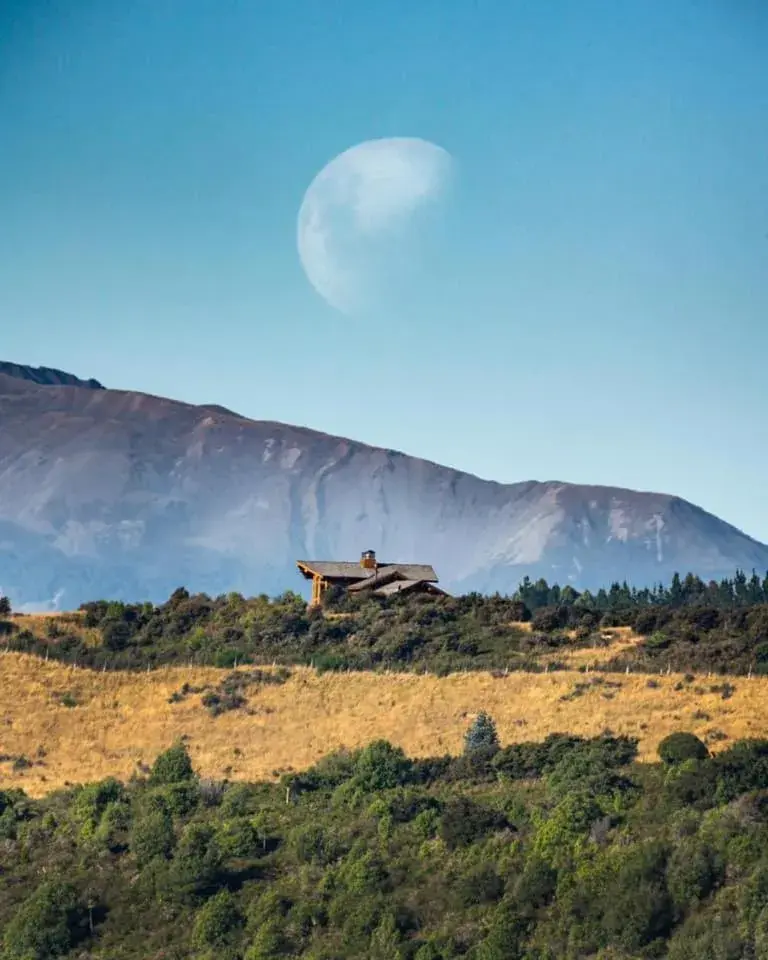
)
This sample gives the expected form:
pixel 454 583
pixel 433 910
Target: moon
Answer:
pixel 366 222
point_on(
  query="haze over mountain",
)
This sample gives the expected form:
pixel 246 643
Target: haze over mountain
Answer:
pixel 110 493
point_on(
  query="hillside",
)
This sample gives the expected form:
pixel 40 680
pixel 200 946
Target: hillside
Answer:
pixel 78 726
pixel 265 810
pixel 119 494
pixel 560 848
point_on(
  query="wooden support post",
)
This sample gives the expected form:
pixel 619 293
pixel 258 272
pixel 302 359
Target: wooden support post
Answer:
pixel 317 590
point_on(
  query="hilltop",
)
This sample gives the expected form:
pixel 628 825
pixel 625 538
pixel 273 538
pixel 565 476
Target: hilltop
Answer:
pixel 121 494
pixel 261 686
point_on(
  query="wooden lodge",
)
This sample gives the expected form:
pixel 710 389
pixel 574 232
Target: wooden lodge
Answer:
pixel 368 576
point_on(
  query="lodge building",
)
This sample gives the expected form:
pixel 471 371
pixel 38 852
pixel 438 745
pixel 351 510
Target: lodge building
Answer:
pixel 368 576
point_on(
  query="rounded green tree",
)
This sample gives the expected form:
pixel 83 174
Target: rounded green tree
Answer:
pixel 679 747
pixel 172 766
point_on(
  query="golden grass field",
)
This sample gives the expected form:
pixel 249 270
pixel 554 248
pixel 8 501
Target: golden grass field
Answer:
pixel 123 720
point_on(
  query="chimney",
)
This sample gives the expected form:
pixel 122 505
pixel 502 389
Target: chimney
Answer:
pixel 368 560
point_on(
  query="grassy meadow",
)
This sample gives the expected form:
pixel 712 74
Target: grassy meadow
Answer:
pixel 74 725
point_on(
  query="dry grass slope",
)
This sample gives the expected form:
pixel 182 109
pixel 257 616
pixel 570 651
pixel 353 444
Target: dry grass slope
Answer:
pixel 120 721
pixel 41 625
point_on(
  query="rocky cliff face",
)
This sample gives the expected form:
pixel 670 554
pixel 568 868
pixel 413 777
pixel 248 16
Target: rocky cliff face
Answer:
pixel 120 494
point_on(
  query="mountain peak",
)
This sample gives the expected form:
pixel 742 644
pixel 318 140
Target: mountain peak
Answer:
pixel 47 376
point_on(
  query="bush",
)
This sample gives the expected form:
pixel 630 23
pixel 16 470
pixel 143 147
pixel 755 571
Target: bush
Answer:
pixel 237 838
pixel 646 622
pixel 638 909
pixel 217 921
pixel 179 798
pixel 742 767
pixel 549 619
pixel 92 800
pixel 312 843
pixel 535 886
pixel 196 861
pixel 679 747
pixel 464 821
pixel 692 783
pixel 172 766
pixel 117 634
pixel 657 641
pixel 481 734
pixel 46 925
pixel 519 612
pixel 152 836
pixel 5 607
pixel 481 885
pixel 380 766
pixel 694 871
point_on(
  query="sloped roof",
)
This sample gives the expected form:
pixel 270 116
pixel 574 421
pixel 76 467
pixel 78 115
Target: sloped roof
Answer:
pixel 398 586
pixel 378 577
pixel 351 570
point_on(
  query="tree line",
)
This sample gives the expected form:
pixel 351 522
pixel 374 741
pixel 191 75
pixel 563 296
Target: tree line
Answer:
pixel 686 626
pixel 737 591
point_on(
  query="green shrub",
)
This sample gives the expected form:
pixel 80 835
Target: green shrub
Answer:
pixel 196 861
pixel 380 766
pixel 179 798
pixel 679 747
pixel 535 886
pixel 317 843
pixel 463 822
pixel 692 783
pixel 481 885
pixel 237 838
pixel 693 873
pixel 91 801
pixel 46 925
pixel 386 941
pixel 740 768
pixel 152 836
pixel 172 766
pixel 657 641
pixel 217 922
pixel 638 909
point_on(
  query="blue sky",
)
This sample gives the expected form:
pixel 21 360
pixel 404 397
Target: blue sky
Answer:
pixel 602 315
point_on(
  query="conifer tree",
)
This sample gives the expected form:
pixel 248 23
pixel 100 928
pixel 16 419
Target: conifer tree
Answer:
pixel 481 734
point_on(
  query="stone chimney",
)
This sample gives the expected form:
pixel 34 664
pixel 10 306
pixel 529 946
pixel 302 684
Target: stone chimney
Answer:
pixel 368 560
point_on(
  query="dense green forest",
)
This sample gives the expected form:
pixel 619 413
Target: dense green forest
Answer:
pixel 688 626
pixel 543 851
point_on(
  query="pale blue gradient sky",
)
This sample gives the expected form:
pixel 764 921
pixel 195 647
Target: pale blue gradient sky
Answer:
pixel 604 312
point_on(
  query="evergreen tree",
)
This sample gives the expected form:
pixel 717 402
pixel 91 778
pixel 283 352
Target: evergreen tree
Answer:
pixel 676 591
pixel 481 734
pixel 754 589
pixel 740 587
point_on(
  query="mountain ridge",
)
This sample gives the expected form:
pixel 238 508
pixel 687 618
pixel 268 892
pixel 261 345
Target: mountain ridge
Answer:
pixel 118 493
pixel 47 376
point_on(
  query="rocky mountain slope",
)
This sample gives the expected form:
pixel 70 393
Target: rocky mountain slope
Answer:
pixel 46 376
pixel 120 494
